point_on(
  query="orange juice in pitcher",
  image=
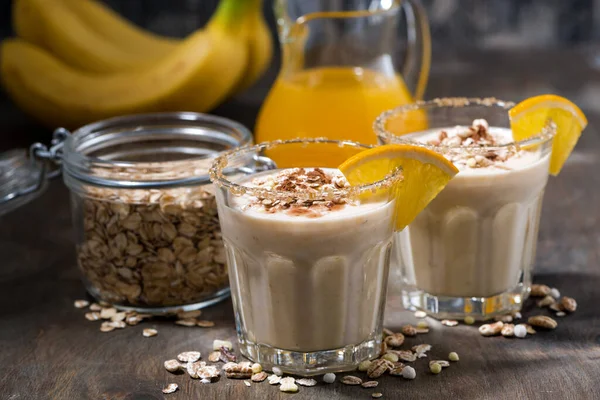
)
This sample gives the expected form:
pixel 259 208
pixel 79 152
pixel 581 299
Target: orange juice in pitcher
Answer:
pixel 342 66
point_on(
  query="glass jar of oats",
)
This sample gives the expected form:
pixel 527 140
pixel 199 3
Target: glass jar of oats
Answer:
pixel 147 230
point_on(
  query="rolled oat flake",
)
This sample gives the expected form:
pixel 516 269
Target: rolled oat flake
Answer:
pixel 170 388
pixel 189 356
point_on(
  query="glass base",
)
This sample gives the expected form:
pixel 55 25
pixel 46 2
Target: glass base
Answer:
pixel 480 308
pixel 167 310
pixel 312 363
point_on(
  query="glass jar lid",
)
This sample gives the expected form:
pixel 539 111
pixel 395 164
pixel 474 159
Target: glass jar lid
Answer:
pixel 19 180
pixel 150 151
pixel 144 151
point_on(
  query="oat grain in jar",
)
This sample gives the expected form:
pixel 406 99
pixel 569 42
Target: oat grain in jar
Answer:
pixel 144 211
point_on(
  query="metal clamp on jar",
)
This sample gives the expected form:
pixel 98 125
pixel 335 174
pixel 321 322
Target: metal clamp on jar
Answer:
pixel 144 211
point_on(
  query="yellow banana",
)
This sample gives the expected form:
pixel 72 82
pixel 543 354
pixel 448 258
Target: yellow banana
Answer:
pixel 120 31
pixel 196 76
pixel 90 36
pixel 260 46
pixel 51 25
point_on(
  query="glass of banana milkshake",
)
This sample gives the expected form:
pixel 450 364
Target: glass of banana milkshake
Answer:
pixel 308 256
pixel 470 252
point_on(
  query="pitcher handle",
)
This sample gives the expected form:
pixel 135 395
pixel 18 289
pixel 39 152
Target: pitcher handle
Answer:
pixel 417 23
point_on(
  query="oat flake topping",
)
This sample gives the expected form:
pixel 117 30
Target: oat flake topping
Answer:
pixel 300 180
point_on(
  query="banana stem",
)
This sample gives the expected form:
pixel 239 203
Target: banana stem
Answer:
pixel 230 13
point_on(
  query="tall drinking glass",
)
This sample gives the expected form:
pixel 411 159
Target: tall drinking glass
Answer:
pixel 308 257
pixel 470 252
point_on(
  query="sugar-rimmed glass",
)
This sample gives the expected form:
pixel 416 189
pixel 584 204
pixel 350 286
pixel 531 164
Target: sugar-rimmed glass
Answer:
pixel 471 251
pixel 308 293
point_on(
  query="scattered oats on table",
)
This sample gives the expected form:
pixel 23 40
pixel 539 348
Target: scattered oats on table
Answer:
pixel 397 370
pixel 395 340
pixel 420 314
pixel 378 368
pixel 107 326
pixel 557 307
pixel 306 382
pixel 247 383
pixel 530 330
pixel 539 290
pixel 186 322
pixel 369 384
pixel 508 330
pixel 214 356
pixel 409 330
pixel 259 377
pixel 199 370
pixel 546 301
pixel 92 316
pixel 170 388
pixel 81 303
pixel 149 332
pixel 120 316
pixel 288 385
pixel 329 377
pixel 95 307
pixel 449 322
pixel 405 355
pixel 173 365
pixel 108 313
pixel 568 304
pixel 189 356
pixel 205 324
pixel 118 324
pixel 542 321
pixel 421 349
pixel 351 380
pixel 491 329
pixel 377 395
pixel 561 314
pixel 133 319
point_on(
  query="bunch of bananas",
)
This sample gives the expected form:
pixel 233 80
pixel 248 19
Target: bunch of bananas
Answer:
pixel 76 61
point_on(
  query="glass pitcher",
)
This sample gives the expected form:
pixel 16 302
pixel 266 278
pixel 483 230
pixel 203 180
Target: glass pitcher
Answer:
pixel 343 63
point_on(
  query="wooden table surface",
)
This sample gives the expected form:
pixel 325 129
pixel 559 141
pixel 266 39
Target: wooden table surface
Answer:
pixel 49 351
